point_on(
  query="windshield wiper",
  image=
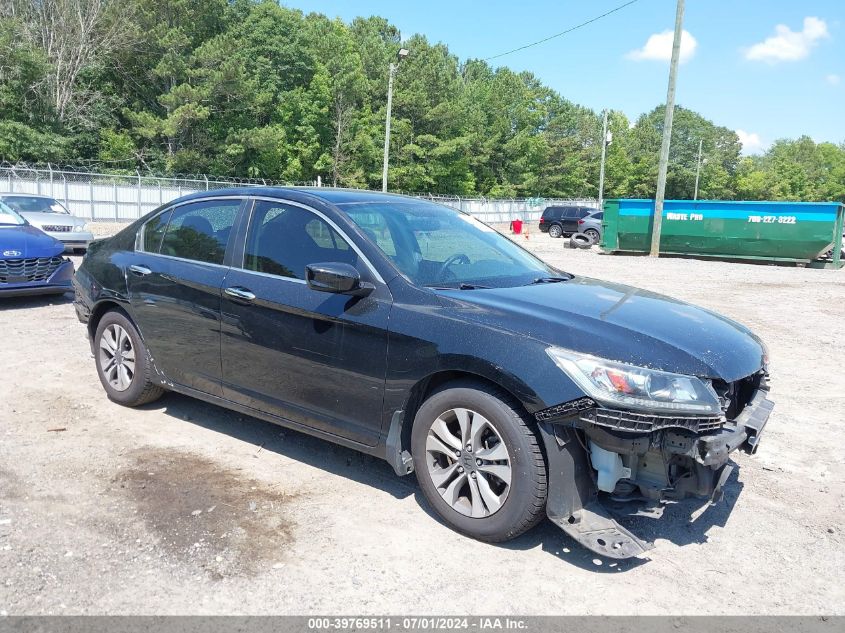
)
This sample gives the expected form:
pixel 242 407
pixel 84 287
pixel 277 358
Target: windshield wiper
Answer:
pixel 550 280
pixel 472 287
pixel 462 286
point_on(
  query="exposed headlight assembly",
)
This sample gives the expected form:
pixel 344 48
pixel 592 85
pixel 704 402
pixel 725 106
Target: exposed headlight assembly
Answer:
pixel 631 387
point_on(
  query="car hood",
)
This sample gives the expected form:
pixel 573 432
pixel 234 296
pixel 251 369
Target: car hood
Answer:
pixel 29 241
pixel 619 323
pixel 60 219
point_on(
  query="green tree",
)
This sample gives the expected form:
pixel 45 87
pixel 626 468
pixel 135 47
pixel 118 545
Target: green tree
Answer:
pixel 252 88
pixel 721 149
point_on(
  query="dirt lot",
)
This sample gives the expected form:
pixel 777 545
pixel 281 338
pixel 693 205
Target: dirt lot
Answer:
pixel 182 507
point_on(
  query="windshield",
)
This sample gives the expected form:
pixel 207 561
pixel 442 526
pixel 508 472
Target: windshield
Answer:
pixel 9 218
pixel 436 246
pixel 34 204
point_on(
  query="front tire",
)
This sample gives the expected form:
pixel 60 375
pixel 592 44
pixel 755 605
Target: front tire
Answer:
pixel 594 235
pixel 123 364
pixel 555 231
pixel 478 462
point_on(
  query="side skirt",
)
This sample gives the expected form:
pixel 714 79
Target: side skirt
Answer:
pixel 377 450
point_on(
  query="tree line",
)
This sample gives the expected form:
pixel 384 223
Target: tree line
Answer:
pixel 249 88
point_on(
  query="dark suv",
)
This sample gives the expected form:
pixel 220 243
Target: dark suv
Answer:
pixel 560 221
pixel 413 332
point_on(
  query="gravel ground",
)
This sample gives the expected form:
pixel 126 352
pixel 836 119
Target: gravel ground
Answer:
pixel 184 508
pixel 104 229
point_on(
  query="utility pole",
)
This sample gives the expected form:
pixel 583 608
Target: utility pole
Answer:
pixel 697 170
pixel 603 155
pixel 403 52
pixel 667 132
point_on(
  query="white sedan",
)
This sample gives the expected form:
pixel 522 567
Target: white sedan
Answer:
pixel 52 217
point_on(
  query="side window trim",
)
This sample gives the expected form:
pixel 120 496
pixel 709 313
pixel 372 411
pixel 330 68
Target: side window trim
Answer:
pixel 239 260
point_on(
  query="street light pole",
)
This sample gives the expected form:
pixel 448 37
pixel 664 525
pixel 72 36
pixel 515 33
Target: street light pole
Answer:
pixel 667 132
pixel 697 170
pixel 603 155
pixel 403 52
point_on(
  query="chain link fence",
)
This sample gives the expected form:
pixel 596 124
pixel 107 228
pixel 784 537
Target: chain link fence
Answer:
pixel 126 197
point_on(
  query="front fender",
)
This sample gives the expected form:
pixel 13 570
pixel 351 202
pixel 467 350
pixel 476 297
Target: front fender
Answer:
pixel 425 340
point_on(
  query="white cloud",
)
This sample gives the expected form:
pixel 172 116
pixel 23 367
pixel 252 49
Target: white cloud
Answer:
pixel 659 47
pixel 833 79
pixel 751 143
pixel 789 45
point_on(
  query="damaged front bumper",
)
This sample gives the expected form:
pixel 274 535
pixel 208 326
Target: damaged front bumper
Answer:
pixel 637 457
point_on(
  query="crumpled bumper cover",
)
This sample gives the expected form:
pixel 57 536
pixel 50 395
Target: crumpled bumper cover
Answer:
pixel 573 502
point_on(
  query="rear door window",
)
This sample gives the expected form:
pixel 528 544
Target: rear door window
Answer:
pixel 154 231
pixel 200 231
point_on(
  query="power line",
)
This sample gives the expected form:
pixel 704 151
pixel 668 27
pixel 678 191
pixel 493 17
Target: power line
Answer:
pixel 569 30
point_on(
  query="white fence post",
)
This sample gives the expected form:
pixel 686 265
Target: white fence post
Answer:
pixel 140 213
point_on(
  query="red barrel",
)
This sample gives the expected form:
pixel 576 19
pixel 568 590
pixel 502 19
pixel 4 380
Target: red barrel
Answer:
pixel 516 226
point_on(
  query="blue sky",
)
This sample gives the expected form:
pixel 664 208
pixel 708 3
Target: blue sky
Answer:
pixel 744 71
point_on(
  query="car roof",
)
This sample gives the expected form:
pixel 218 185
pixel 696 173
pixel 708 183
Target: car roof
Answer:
pixel 23 194
pixel 327 194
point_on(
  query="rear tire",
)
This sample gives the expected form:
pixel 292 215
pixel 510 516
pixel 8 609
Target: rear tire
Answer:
pixel 481 470
pixel 123 363
pixel 555 231
pixel 594 235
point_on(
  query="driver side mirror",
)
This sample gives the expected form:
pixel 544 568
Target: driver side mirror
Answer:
pixel 337 278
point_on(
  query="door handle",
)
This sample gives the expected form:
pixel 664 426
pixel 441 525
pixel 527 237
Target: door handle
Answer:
pixel 240 294
pixel 140 270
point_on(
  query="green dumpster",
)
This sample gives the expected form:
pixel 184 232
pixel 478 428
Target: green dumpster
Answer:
pixel 799 232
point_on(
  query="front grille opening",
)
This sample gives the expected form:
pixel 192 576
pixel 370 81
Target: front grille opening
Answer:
pixel 28 270
pixel 648 422
pixel 736 395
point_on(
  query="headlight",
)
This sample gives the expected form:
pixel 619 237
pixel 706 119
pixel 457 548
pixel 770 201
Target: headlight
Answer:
pixel 81 227
pixel 632 387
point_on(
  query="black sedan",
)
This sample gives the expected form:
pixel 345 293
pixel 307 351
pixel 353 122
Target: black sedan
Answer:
pixel 411 331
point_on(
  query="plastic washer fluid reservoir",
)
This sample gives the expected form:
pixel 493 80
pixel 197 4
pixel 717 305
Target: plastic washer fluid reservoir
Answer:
pixel 609 467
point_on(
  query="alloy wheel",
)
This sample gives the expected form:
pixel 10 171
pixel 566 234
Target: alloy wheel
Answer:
pixel 117 357
pixel 468 462
pixel 593 235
